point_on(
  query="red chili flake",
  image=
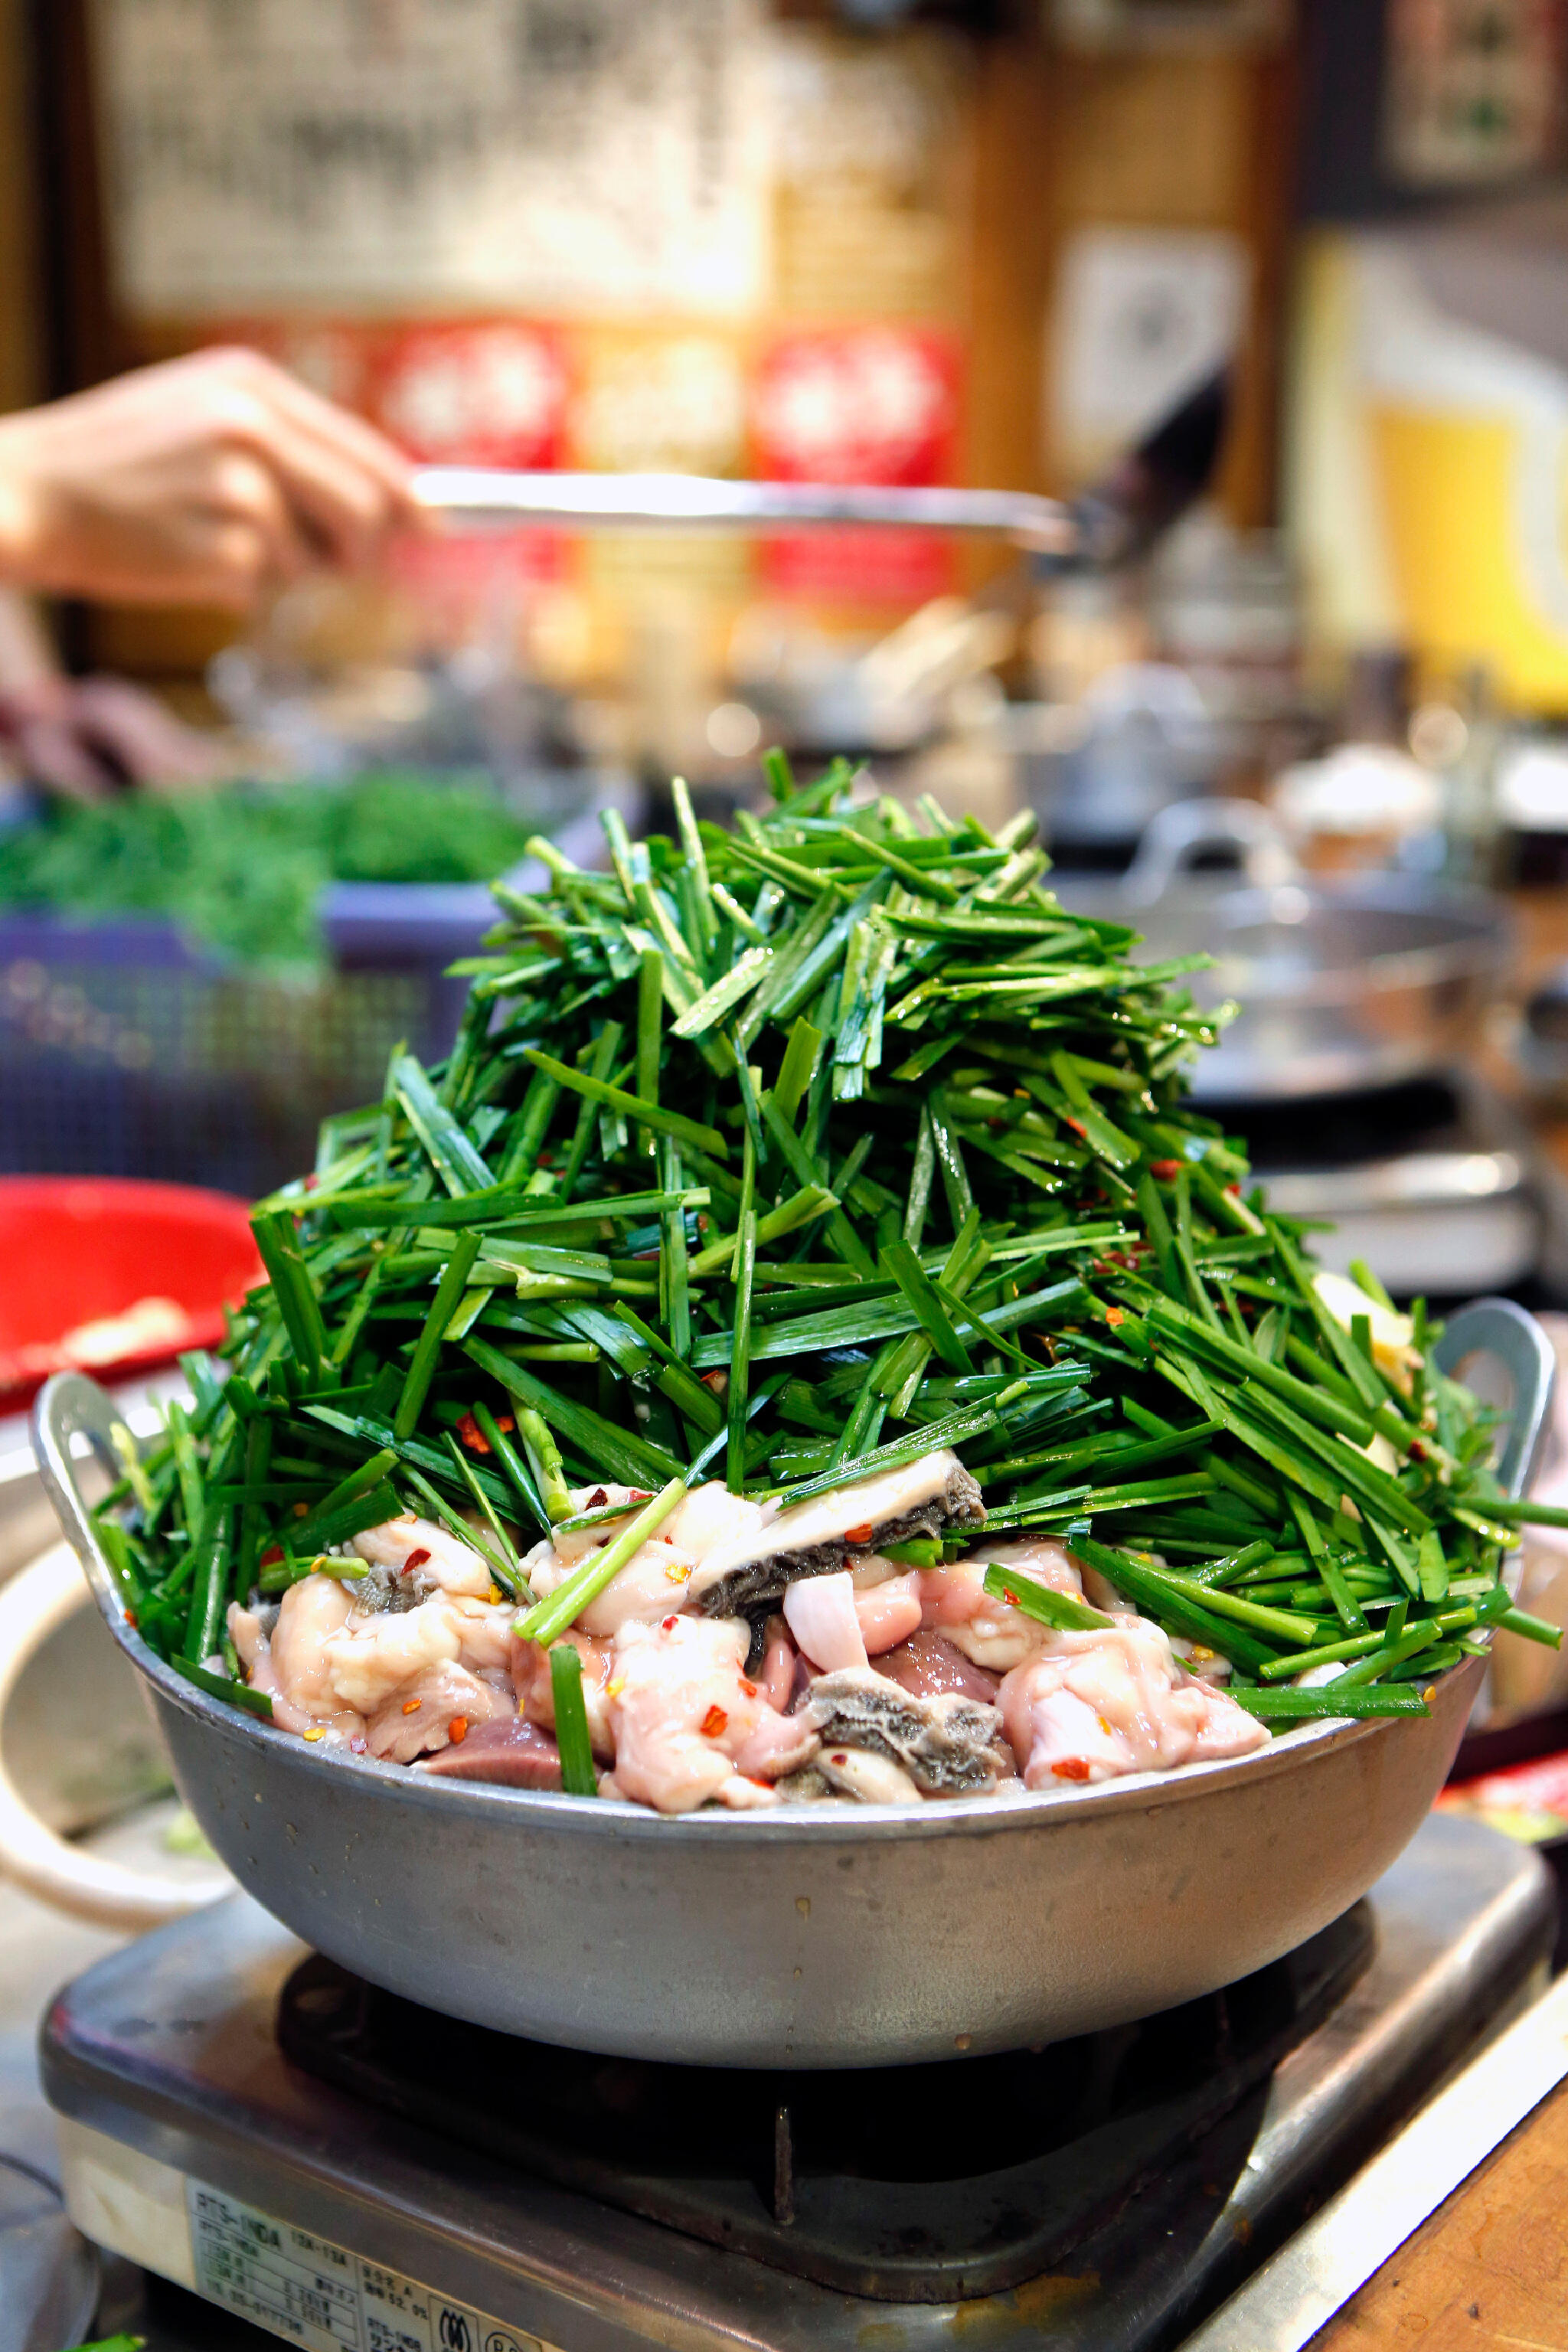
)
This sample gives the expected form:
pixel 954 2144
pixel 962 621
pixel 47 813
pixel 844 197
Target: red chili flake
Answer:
pixel 839 1758
pixel 1077 1125
pixel 714 1381
pixel 271 1556
pixel 750 1688
pixel 131 1618
pixel 457 1730
pixel 1417 1450
pixel 1167 1170
pixel 416 1558
pixel 668 1624
pixel 1011 1598
pixel 1115 1315
pixel 715 1722
pixel 861 1534
pixel 597 1497
pixel 504 1421
pixel 411 1706
pixel 1071 1768
pixel 669 1540
pixel 472 1435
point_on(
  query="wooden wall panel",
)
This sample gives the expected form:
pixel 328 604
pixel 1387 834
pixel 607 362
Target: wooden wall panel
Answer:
pixel 21 350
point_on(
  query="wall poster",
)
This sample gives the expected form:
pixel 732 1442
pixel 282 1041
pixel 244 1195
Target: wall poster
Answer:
pixel 407 153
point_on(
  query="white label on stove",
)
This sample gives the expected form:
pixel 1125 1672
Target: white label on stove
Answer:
pixel 319 2296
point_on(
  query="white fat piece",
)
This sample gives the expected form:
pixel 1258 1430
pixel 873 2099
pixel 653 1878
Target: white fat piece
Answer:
pixel 869 1779
pixel 821 1614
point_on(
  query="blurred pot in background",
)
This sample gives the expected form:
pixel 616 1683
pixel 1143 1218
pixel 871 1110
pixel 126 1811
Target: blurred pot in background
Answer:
pixel 1179 679
pixel 1525 1678
pixel 1345 988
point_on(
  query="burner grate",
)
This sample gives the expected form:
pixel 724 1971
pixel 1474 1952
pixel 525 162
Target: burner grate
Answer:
pixel 920 2184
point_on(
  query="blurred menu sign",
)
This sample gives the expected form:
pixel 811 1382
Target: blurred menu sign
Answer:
pixel 1143 316
pixel 1474 90
pixel 387 153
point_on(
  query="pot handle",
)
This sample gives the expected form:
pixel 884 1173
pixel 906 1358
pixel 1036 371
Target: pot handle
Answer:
pixel 1498 1328
pixel 73 1416
pixel 35 1602
pixel 1176 837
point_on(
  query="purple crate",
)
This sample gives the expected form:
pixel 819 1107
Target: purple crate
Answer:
pixel 126 1049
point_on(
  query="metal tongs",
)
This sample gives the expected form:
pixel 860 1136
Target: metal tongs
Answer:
pixel 1111 524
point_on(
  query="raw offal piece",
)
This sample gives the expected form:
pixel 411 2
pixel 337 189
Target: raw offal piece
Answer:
pixel 928 1665
pixel 816 1538
pixel 507 1753
pixel 411 1544
pixel 996 1636
pixel 536 1692
pixel 950 1746
pixel 1107 1703
pixel 656 1577
pixel 690 1726
pixel 439 1707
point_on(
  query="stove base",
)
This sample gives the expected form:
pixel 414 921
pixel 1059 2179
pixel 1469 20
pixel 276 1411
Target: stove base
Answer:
pixel 192 2146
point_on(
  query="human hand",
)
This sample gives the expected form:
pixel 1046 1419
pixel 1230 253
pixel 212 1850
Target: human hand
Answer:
pixel 85 737
pixel 205 480
pixel 82 738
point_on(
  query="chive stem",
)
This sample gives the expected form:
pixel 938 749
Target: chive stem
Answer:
pixel 552 1616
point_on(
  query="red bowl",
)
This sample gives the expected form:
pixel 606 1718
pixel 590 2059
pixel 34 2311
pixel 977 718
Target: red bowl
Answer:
pixel 155 1264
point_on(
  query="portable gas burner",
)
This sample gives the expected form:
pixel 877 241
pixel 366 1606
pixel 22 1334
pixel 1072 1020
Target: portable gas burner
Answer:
pixel 355 2174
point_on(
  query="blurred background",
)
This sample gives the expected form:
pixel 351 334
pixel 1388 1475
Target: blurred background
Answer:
pixel 1287 285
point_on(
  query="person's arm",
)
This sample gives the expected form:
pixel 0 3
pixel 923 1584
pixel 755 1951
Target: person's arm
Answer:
pixel 205 480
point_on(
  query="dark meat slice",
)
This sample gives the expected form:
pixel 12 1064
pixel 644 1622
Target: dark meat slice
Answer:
pixel 929 1665
pixel 949 1745
pixel 507 1753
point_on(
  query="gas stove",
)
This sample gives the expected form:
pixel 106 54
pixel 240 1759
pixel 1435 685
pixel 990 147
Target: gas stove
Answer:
pixel 262 2131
